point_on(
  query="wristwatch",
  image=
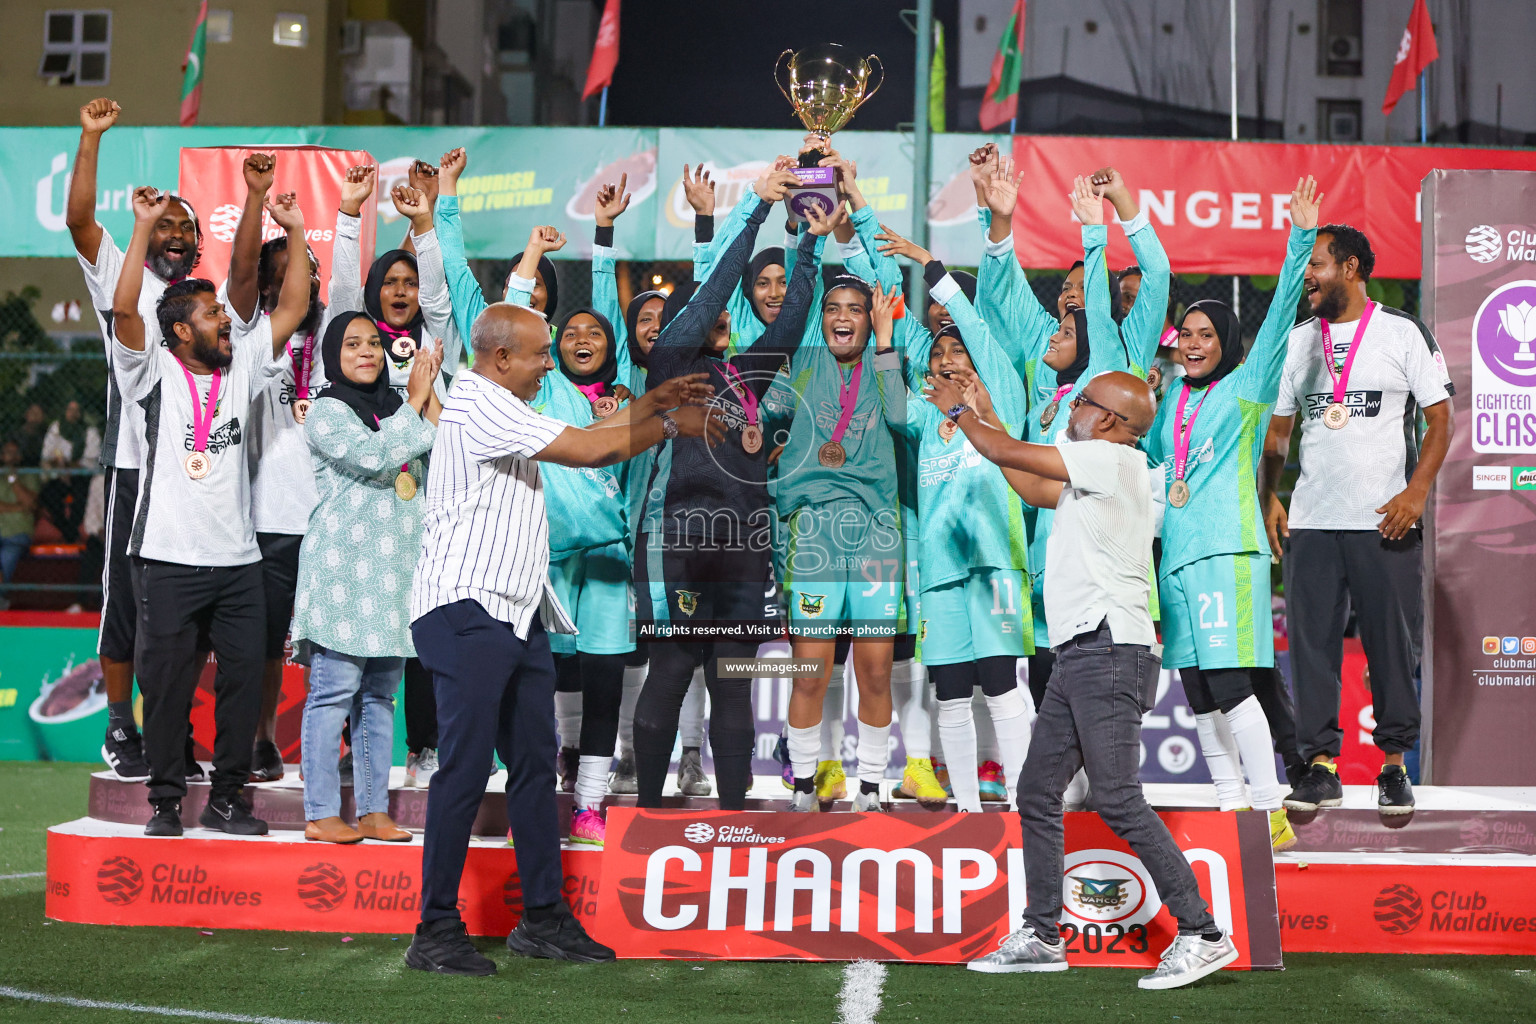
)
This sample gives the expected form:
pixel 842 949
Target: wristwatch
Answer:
pixel 955 411
pixel 668 426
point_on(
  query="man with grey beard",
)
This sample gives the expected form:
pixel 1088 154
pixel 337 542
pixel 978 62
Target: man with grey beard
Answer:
pixel 1097 589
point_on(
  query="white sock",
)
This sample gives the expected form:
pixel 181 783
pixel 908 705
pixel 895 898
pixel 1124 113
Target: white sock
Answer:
pixel 986 737
pixel 568 718
pixel 634 682
pixel 935 741
pixel 1220 751
pixel 874 751
pixel 1010 720
pixel 909 694
pixel 690 723
pixel 833 711
pixel 804 746
pixel 592 780
pixel 1251 731
pixel 957 738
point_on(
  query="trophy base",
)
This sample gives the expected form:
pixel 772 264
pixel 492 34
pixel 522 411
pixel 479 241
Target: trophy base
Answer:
pixel 817 190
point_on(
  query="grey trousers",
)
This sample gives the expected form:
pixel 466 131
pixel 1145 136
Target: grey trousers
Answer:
pixel 1091 718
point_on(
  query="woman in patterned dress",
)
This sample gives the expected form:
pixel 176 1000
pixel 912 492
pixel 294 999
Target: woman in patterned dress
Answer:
pixel 351 613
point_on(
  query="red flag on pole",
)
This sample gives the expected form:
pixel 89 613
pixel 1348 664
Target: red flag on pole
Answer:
pixel 605 52
pixel 1414 54
pixel 1000 103
pixel 192 68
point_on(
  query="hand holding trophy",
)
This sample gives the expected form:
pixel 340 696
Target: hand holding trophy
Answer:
pixel 825 84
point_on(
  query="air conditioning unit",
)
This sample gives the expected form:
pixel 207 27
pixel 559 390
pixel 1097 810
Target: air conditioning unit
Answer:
pixel 1344 48
pixel 351 38
pixel 1343 126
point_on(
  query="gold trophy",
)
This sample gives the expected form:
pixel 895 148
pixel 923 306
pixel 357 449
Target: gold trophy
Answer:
pixel 825 85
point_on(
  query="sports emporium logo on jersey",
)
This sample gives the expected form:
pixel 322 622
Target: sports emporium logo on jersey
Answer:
pixel 1107 887
pixel 1484 244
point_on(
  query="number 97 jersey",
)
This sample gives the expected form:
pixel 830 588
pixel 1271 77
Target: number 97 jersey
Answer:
pixel 1216 613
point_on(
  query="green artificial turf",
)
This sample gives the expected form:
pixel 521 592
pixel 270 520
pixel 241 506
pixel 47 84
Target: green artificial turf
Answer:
pixel 319 977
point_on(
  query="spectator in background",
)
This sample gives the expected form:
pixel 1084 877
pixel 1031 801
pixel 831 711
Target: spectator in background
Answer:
pixel 34 427
pixel 70 443
pixel 16 503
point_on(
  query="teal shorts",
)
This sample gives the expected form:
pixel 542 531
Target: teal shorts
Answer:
pixel 842 570
pixel 985 615
pixel 594 588
pixel 1216 613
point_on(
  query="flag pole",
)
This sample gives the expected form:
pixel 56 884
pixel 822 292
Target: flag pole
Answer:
pixel 1237 298
pixel 602 108
pixel 1423 112
pixel 920 133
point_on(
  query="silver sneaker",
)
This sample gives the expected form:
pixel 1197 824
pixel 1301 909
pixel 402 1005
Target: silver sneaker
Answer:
pixel 804 802
pixel 419 768
pixel 863 801
pixel 624 779
pixel 691 779
pixel 1189 959
pixel 1022 951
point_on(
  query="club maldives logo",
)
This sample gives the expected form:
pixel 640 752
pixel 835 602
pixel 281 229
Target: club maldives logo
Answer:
pixel 1504 330
pixel 322 887
pixel 119 880
pixel 223 222
pixel 701 832
pixel 1484 244
pixel 1399 909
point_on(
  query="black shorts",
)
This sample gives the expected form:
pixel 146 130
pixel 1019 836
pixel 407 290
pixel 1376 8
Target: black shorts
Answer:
pixel 719 592
pixel 119 610
pixel 279 580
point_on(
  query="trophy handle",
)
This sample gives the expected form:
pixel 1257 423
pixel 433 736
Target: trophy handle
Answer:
pixel 778 79
pixel 875 63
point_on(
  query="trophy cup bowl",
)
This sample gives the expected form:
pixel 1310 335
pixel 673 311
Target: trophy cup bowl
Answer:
pixel 825 84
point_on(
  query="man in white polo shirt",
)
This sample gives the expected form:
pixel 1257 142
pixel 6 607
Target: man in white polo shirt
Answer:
pixel 1097 594
pixel 1359 373
pixel 481 611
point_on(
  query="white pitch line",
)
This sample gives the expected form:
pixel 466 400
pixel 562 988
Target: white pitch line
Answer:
pixel 24 874
pixel 859 1001
pixel 164 1011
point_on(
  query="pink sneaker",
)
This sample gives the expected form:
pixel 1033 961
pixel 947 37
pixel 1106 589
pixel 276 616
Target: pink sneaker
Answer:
pixel 588 827
pixel 990 778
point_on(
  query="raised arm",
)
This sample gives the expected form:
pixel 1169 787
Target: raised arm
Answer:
pixel 436 305
pixel 463 289
pixel 1004 297
pixel 612 201
pixel 80 208
pixel 1106 350
pixel 127 325
pixel 293 299
pixel 1143 323
pixel 525 276
pixel 783 336
pixel 244 299
pixel 1259 375
pixel 346 286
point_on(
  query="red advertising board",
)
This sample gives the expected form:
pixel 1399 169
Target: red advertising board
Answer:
pixel 1222 207
pixel 213 181
pixel 939 888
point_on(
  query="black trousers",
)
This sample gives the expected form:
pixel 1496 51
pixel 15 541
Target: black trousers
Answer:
pixel 420 708
pixel 119 610
pixel 731 727
pixel 1325 572
pixel 178 606
pixel 279 581
pixel 495 693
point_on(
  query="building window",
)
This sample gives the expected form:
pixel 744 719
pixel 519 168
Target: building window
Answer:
pixel 77 47
pixel 1338 120
pixel 291 30
pixel 1340 40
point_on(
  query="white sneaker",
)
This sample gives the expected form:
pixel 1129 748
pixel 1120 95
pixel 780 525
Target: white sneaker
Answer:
pixel 804 803
pixel 419 768
pixel 1022 951
pixel 1189 959
pixel 863 801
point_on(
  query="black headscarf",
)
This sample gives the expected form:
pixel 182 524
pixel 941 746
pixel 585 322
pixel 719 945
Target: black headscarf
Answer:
pixel 371 289
pixel 967 283
pixel 631 318
pixel 762 261
pixel 1229 330
pixel 1079 363
pixel 371 402
pixel 551 288
pixel 608 372
pixel 676 301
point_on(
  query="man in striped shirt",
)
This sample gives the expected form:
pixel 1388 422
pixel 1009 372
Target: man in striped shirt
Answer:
pixel 481 606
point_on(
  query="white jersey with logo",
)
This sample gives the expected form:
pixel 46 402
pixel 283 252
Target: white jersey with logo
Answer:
pixel 178 519
pixel 1347 474
pixel 283 491
pixel 121 437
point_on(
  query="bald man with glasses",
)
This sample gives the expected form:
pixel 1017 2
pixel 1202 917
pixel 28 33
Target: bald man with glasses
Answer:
pixel 1097 592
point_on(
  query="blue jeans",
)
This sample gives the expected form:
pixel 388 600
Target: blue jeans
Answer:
pixel 340 684
pixel 11 551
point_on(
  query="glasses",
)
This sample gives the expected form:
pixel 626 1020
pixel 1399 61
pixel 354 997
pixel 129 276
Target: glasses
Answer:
pixel 1082 399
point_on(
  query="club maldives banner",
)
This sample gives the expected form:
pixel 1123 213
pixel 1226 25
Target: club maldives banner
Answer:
pixel 924 888
pixel 1480 300
pixel 1223 207
pixel 213 180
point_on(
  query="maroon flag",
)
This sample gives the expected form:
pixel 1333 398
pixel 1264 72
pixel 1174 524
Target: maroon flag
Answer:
pixel 1414 54
pixel 605 52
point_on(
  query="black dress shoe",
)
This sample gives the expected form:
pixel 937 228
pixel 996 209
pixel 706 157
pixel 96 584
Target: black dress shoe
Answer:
pixel 559 937
pixel 442 947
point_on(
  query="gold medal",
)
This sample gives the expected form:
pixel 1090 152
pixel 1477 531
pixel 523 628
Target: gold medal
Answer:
pixel 1154 377
pixel 1049 416
pixel 405 486
pixel 1178 494
pixel 947 428
pixel 301 409
pixel 1335 416
pixel 198 464
pixel 832 455
pixel 605 406
pixel 751 439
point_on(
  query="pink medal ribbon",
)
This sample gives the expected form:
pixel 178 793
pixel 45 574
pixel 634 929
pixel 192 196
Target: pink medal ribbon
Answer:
pixel 1183 433
pixel 1049 416
pixel 1169 339
pixel 198 462
pixel 751 434
pixel 592 391
pixel 603 405
pixel 833 454
pixel 305 360
pixel 1337 414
